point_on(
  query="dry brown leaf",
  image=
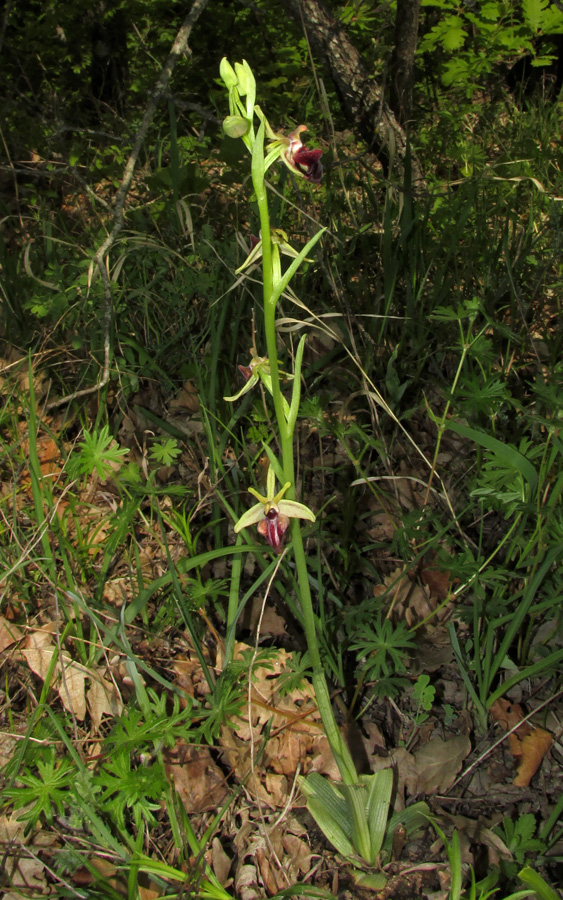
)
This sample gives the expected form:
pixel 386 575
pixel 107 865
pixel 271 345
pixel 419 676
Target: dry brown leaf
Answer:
pixel 271 623
pixel 527 744
pixel 475 831
pixel 72 687
pixel 530 752
pixel 407 774
pixel 69 677
pixel 220 862
pixel 297 739
pixel 198 780
pixel 433 651
pixel 25 874
pixel 103 699
pixel 38 650
pixel 299 853
pixel 438 762
pixel 410 602
pixel 437 581
pixel 508 715
pixel 9 634
pixel 187 398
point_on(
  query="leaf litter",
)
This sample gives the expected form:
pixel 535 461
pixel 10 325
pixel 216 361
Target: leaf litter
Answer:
pixel 278 736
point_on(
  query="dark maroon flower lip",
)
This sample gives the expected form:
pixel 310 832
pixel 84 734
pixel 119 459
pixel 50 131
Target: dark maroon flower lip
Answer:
pixel 309 164
pixel 273 528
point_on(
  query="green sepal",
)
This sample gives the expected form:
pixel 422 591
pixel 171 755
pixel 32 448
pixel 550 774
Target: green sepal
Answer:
pixel 245 388
pixel 251 517
pixel 294 510
pixel 246 86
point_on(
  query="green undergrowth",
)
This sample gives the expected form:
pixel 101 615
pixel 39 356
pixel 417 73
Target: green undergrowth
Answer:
pixel 433 357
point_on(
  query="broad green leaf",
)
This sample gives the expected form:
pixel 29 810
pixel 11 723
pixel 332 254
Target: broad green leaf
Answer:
pixel 542 889
pixel 379 786
pixel 316 787
pixel 356 796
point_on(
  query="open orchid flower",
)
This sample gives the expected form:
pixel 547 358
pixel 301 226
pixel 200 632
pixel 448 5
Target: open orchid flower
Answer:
pixel 306 163
pixel 272 514
pixel 258 370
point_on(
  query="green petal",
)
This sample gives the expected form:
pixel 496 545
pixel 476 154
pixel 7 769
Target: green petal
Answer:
pixel 296 510
pixel 251 517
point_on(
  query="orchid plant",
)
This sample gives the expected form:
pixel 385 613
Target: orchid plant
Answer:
pixel 361 803
pixel 279 514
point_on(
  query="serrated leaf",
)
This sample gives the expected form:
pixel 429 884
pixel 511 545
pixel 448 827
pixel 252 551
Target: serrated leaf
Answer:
pixel 534 12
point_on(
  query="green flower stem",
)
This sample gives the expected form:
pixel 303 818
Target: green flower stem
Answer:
pixel 286 428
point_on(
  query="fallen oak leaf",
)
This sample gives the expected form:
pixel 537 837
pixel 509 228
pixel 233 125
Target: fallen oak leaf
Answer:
pixel 527 743
pixel 508 715
pixel 438 762
pixel 530 751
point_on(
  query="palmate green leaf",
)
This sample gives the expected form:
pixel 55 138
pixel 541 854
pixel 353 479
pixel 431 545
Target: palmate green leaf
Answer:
pixel 97 453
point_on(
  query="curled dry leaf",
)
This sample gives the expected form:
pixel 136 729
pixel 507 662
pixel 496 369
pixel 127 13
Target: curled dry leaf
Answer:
pixel 527 744
pixel 296 742
pixel 530 752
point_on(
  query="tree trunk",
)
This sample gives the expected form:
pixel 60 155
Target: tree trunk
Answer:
pixel 402 65
pixel 363 101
